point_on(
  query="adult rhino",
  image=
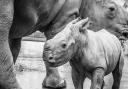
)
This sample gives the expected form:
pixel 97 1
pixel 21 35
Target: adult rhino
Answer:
pixel 91 54
pixel 20 18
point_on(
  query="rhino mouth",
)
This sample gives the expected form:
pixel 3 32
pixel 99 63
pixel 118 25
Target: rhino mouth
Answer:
pixel 56 64
pixel 61 62
pixel 111 15
pixel 125 33
pixel 124 36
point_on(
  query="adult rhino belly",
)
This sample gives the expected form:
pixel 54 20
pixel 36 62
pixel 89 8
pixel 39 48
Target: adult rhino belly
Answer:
pixel 20 30
pixel 25 17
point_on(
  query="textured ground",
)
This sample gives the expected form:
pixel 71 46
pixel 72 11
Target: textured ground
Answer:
pixel 31 71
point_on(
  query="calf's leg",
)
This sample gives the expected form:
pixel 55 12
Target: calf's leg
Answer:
pixel 78 79
pixel 97 78
pixel 103 85
pixel 117 73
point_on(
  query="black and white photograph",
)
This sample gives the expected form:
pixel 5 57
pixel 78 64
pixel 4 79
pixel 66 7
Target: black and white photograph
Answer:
pixel 63 44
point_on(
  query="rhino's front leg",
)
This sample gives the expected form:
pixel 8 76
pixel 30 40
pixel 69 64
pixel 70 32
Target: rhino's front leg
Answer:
pixel 7 76
pixel 97 78
pixel 78 79
pixel 52 78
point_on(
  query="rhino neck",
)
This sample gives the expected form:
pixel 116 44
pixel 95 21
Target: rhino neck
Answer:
pixel 92 9
pixel 82 42
pixel 86 7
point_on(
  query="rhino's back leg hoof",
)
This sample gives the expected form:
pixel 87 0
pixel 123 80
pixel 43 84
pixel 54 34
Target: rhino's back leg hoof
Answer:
pixel 117 73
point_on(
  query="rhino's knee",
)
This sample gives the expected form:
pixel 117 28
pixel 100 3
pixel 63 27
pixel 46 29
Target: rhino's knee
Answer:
pixel 97 78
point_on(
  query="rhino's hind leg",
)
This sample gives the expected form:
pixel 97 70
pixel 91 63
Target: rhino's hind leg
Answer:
pixel 7 75
pixel 78 79
pixel 15 45
pixel 117 73
pixel 97 78
pixel 103 85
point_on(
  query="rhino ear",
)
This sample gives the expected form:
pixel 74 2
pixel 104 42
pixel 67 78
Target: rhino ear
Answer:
pixel 83 30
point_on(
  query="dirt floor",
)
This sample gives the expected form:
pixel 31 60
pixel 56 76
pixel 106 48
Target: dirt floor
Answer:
pixel 31 71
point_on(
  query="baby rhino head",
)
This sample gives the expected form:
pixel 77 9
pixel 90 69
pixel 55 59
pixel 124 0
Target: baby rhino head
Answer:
pixel 61 48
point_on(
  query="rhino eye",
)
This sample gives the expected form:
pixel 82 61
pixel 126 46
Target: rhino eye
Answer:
pixel 64 45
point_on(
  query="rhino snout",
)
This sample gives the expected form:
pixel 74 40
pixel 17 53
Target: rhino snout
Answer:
pixel 51 59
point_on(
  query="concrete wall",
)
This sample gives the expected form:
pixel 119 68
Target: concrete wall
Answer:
pixel 31 49
pixel 32 46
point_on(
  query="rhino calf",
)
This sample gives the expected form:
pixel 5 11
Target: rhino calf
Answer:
pixel 91 54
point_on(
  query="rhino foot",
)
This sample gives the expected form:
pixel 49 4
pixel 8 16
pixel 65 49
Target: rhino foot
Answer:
pixel 54 84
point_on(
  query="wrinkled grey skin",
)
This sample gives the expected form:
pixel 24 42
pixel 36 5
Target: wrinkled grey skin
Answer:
pixel 20 18
pixel 91 54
